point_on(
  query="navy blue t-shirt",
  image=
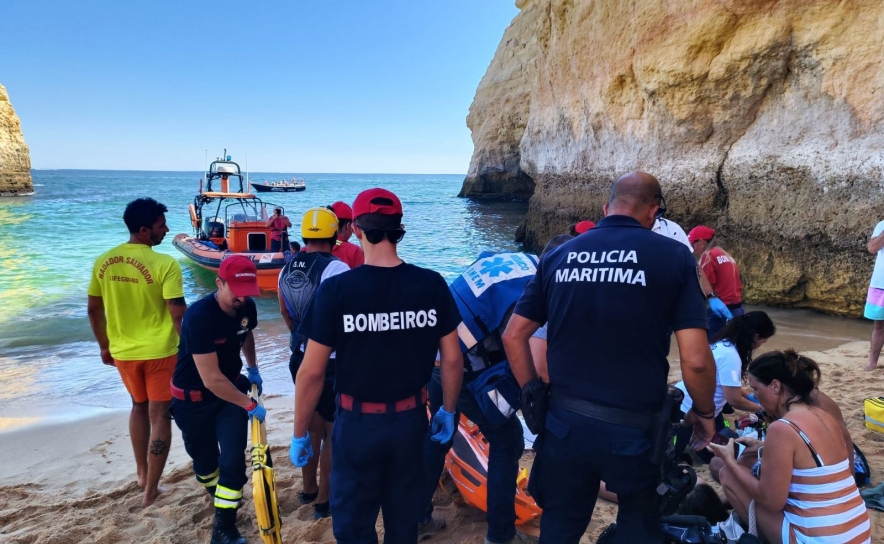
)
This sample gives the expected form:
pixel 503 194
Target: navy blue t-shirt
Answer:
pixel 206 328
pixel 612 296
pixel 385 324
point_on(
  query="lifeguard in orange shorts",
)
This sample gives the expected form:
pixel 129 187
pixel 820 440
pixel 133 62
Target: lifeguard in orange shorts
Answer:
pixel 136 303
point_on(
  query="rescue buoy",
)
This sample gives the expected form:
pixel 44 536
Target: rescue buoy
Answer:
pixel 193 218
pixel 263 482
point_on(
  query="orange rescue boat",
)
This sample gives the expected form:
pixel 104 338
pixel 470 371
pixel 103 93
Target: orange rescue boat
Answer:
pixel 229 223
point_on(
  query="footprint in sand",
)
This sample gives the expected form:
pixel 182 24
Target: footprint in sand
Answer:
pixel 203 514
pixel 188 499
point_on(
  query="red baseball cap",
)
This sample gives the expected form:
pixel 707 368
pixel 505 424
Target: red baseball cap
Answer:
pixel 241 275
pixel 700 233
pixel 342 210
pixel 377 200
pixel 583 226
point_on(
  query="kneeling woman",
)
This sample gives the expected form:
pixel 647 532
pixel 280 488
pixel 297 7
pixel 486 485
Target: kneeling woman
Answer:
pixel 806 491
pixel 732 349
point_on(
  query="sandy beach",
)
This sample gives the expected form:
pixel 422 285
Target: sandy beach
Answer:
pixel 75 483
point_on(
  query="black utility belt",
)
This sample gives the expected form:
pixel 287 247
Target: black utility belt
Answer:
pixel 736 306
pixel 608 414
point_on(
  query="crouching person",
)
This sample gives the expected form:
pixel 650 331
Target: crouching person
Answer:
pixel 210 404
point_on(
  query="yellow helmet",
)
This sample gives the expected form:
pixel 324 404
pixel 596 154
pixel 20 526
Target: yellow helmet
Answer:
pixel 319 223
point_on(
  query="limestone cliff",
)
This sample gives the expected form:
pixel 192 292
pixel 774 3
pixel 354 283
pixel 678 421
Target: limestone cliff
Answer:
pixel 499 112
pixel 15 163
pixel 761 118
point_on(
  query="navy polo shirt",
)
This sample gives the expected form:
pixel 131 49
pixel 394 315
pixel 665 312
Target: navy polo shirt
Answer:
pixel 611 297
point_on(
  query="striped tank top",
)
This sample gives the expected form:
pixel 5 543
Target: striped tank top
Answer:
pixel 824 505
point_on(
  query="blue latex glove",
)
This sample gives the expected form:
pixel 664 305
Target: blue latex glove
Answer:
pixel 443 426
pixel 255 378
pixel 719 308
pixel 258 412
pixel 301 450
pixel 753 398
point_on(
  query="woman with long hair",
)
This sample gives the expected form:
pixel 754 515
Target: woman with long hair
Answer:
pixel 806 489
pixel 732 349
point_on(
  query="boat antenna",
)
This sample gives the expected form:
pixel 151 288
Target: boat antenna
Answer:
pixel 205 170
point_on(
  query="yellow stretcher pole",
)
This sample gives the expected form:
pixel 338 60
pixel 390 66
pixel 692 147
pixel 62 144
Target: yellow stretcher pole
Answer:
pixel 263 483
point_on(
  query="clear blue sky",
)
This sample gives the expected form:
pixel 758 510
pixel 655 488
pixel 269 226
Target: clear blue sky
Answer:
pixel 300 86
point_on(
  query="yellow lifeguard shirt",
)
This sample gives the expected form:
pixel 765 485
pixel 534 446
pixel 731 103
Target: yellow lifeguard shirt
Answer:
pixel 135 283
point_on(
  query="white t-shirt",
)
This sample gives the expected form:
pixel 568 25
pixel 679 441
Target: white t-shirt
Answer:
pixel 878 273
pixel 671 229
pixel 727 374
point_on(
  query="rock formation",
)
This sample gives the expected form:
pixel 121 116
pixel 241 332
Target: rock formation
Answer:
pixel 499 112
pixel 15 163
pixel 761 118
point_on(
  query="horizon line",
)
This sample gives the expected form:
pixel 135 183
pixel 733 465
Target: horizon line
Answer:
pixel 256 171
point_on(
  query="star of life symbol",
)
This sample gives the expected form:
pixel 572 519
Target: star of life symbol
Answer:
pixel 496 267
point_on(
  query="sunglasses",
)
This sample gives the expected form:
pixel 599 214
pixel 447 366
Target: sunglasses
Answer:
pixel 661 210
pixel 374 236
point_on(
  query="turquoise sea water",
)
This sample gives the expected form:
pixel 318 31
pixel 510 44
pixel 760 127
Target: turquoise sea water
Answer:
pixel 49 364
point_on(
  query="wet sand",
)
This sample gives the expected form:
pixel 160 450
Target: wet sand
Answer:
pixel 74 482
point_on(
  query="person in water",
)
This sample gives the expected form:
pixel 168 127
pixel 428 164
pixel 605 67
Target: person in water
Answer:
pixel 805 489
pixel 136 304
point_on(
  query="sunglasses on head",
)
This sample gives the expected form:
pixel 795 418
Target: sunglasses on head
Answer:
pixel 374 236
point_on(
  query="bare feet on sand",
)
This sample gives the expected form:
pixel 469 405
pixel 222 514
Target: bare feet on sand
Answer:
pixel 150 498
pixel 869 367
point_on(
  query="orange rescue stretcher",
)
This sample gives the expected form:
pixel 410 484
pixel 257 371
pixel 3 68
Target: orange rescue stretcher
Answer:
pixel 467 463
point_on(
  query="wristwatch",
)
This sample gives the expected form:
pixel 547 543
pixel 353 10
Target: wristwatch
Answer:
pixel 710 296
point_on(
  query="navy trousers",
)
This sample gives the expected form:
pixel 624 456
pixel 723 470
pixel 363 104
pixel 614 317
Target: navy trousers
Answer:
pixel 574 454
pixel 215 434
pixel 506 445
pixel 377 460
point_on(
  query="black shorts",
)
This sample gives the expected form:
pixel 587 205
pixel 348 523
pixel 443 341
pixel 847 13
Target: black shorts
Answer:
pixel 326 405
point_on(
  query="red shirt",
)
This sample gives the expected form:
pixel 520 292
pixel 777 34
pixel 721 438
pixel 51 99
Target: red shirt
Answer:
pixel 722 272
pixel 277 225
pixel 351 254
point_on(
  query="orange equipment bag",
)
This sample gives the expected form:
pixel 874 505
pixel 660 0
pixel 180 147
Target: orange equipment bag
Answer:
pixel 467 463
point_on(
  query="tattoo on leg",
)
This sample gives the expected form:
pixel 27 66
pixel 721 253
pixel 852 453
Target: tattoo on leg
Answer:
pixel 158 447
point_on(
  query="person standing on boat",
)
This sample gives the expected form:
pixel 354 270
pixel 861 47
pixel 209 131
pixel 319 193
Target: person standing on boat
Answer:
pixel 210 403
pixel 278 224
pixel 611 297
pixel 344 250
pixel 386 320
pixel 135 306
pixel 298 282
